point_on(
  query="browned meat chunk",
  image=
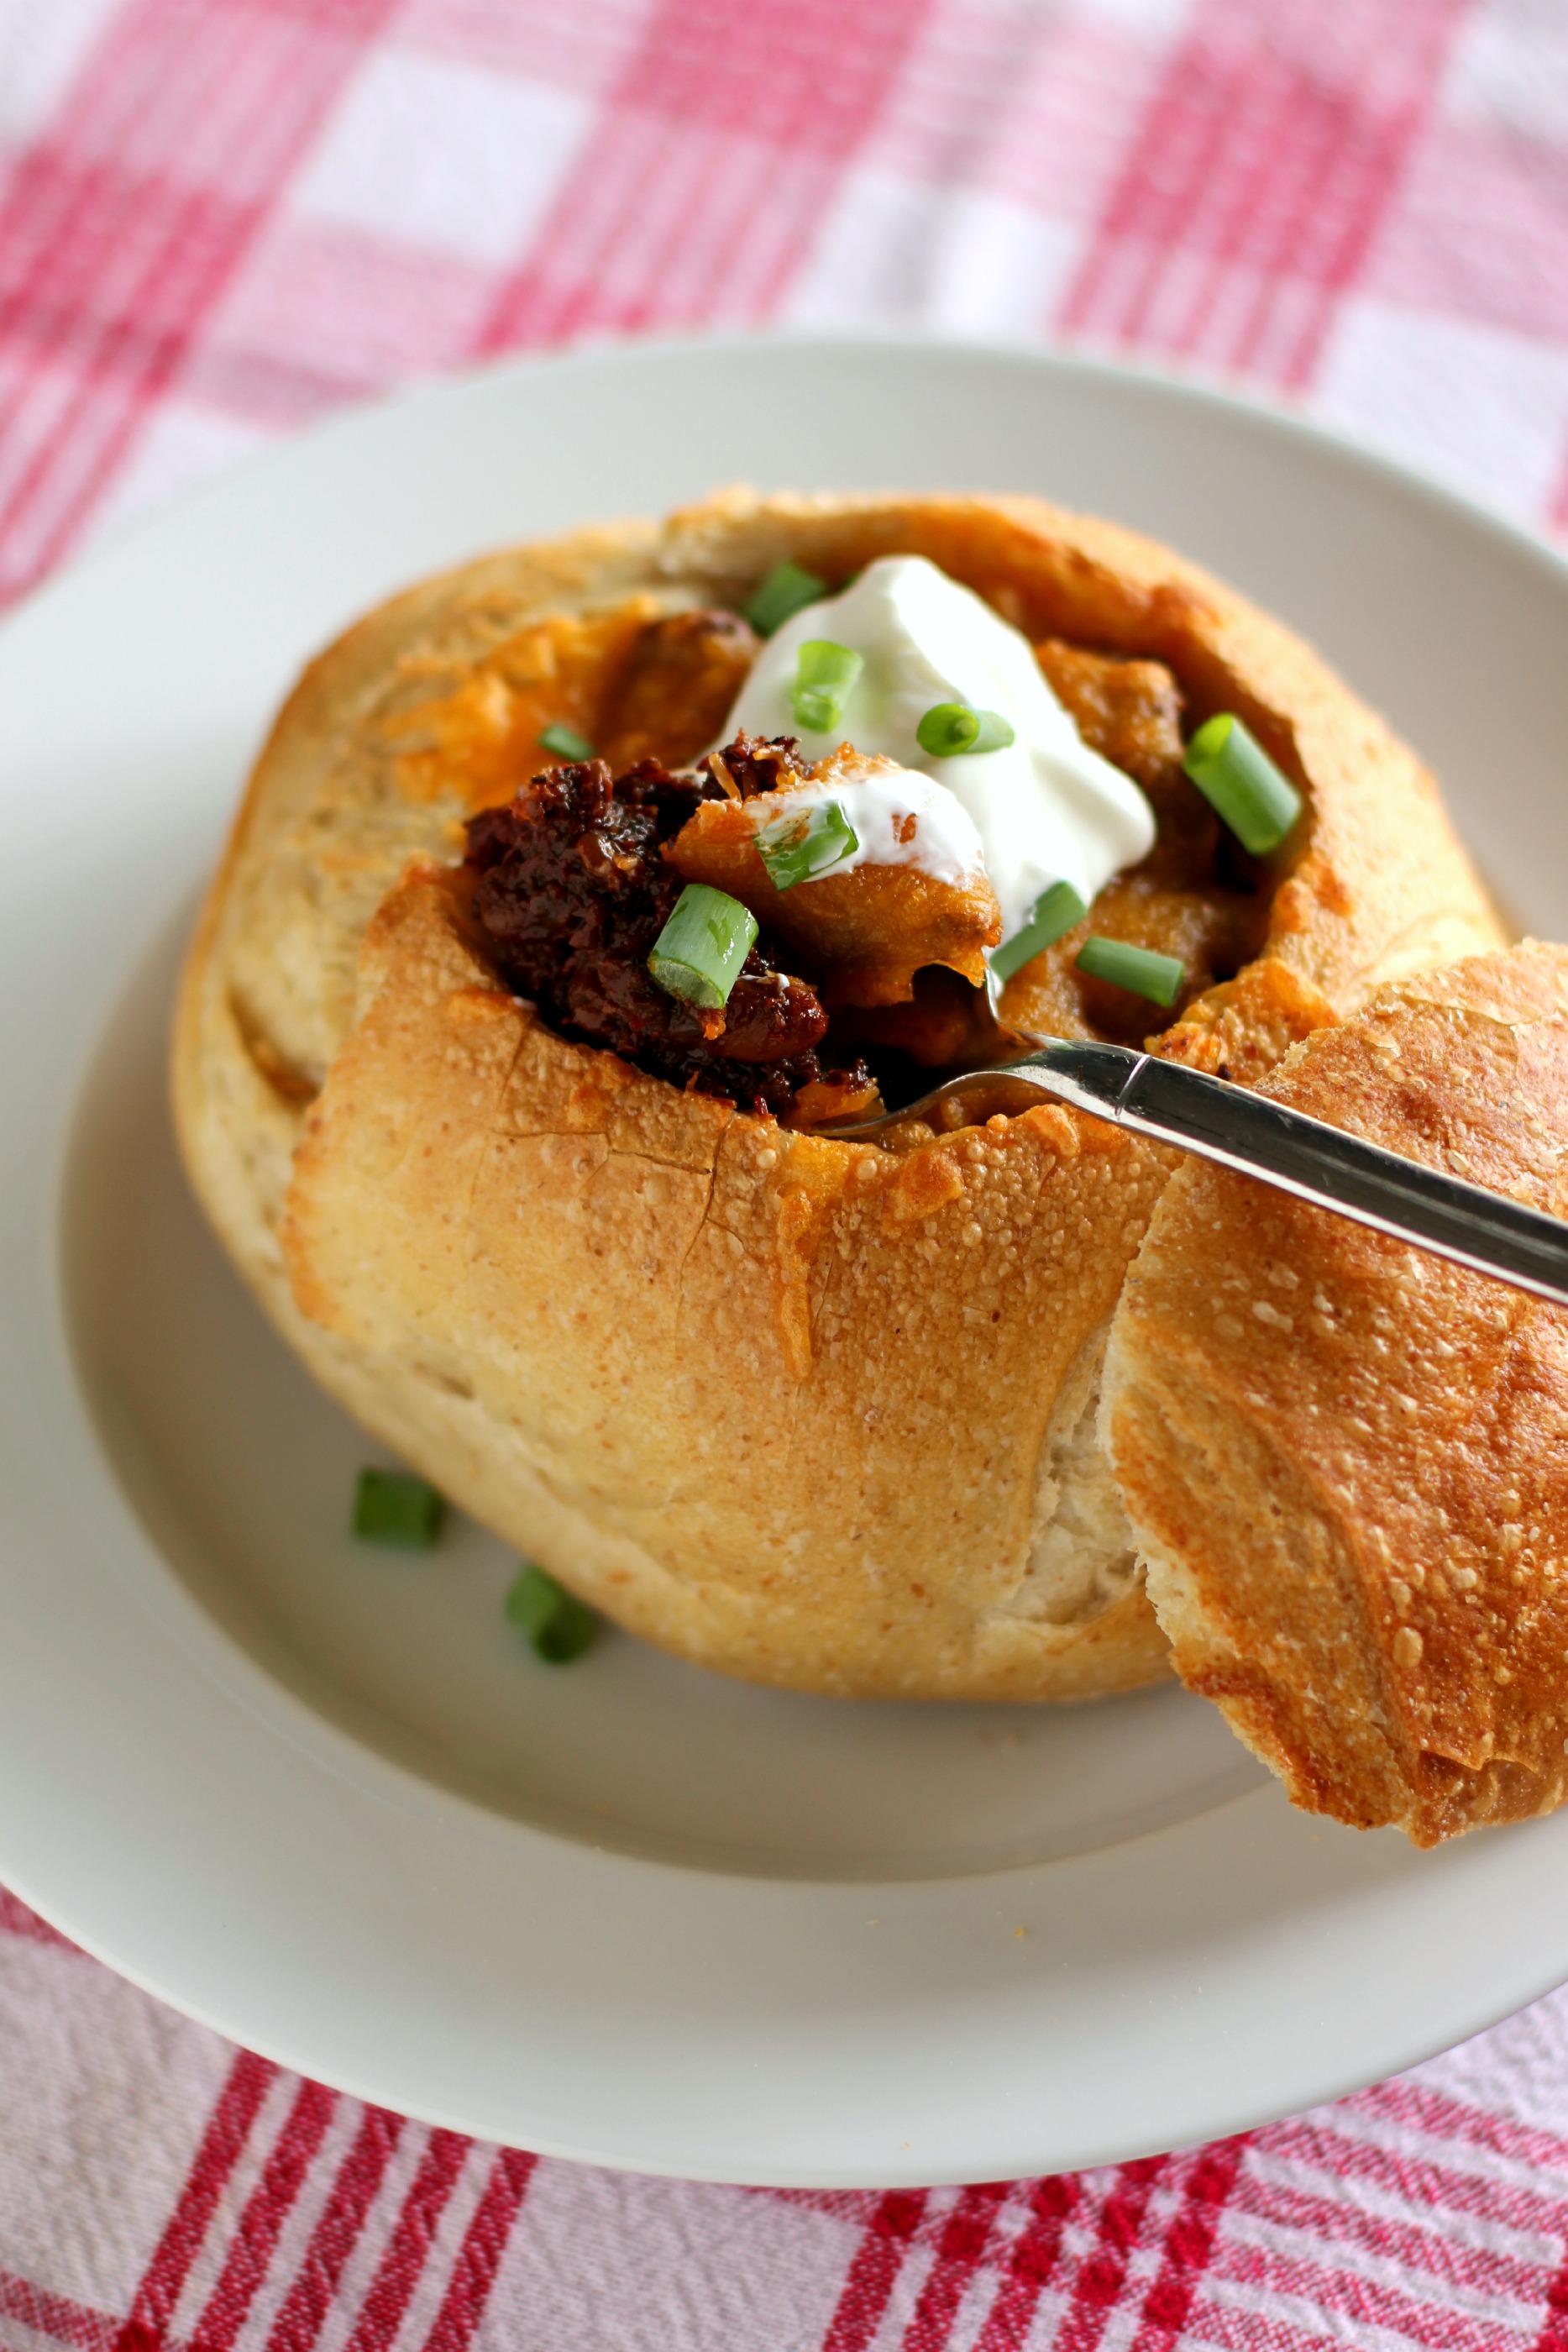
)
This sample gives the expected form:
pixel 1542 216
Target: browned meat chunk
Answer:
pixel 574 892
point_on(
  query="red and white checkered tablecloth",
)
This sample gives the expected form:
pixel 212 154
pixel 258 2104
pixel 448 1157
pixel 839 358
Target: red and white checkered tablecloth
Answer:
pixel 220 217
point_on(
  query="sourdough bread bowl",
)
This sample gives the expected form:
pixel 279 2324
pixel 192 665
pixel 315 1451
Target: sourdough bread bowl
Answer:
pixel 1345 1461
pixel 814 1412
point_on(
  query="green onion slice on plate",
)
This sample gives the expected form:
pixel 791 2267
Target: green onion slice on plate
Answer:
pixel 1241 784
pixel 566 741
pixel 811 842
pixel 951 728
pixel 393 1506
pixel 1157 977
pixel 788 589
pixel 824 674
pixel 559 1625
pixel 698 954
pixel 1053 912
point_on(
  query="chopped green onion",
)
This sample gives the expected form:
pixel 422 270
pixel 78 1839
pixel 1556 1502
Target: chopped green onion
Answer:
pixel 566 741
pixel 1157 977
pixel 1241 784
pixel 824 674
pixel 698 954
pixel 393 1506
pixel 788 589
pixel 949 728
pixel 556 1623
pixel 1054 911
pixel 794 848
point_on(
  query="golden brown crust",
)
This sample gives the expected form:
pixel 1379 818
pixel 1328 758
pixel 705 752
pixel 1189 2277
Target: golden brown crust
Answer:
pixel 1346 1461
pixel 720 1343
pixel 1246 1026
pixel 810 1413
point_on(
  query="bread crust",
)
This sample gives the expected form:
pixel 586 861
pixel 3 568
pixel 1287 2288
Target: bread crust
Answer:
pixel 1345 1460
pixel 806 1410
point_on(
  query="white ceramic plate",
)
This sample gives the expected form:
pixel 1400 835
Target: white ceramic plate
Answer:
pixel 319 1796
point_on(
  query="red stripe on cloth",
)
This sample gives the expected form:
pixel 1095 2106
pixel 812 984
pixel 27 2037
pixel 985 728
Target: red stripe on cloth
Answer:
pixel 121 226
pixel 1300 2182
pixel 17 1919
pixel 380 2314
pixel 1261 172
pixel 57 2316
pixel 1344 2299
pixel 1189 2246
pixel 1417 2107
pixel 267 2209
pixel 113 369
pixel 1102 2275
pixel 961 2248
pixel 479 2256
pixel 572 44
pixel 228 2128
pixel 719 150
pixel 337 2232
pixel 873 2273
pixel 1033 2261
pixel 1437 2260
pixel 1553 2336
pixel 1241 2326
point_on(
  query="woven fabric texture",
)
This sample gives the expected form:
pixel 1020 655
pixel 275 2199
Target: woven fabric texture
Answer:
pixel 220 218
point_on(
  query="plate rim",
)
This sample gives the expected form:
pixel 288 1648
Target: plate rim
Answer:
pixel 1290 414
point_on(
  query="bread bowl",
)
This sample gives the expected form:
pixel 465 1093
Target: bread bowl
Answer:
pixel 1346 1462
pixel 804 1410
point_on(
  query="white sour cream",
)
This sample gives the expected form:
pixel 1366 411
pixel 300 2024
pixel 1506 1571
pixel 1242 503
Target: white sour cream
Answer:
pixel 899 819
pixel 1047 809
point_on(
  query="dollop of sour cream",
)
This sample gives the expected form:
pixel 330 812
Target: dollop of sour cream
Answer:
pixel 1046 808
pixel 899 818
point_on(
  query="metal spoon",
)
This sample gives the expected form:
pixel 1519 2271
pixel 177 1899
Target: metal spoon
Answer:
pixel 1218 1120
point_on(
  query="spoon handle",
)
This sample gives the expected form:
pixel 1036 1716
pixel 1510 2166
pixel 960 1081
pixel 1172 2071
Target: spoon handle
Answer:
pixel 1304 1156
